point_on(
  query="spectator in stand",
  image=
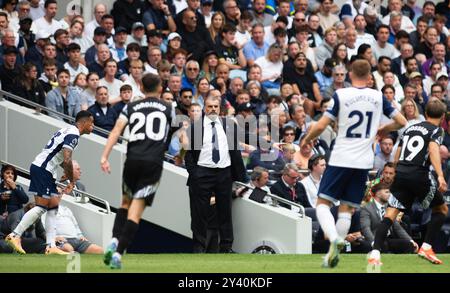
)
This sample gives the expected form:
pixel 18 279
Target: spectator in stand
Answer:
pixel 256 47
pixel 10 69
pixel 12 195
pixel 386 176
pixel 257 99
pixel 410 110
pixel 209 65
pixel 311 183
pixel 154 56
pixel 438 57
pixel 28 87
pixel 33 239
pixel 271 67
pixel 424 50
pixel 385 154
pixel 174 85
pixel 104 114
pixel 48 79
pixel 301 36
pixel 88 95
pixel 137 35
pixel 416 36
pixel 77 37
pixel 111 82
pixel 73 64
pixel 100 9
pixel 217 23
pixel 228 53
pixel 338 74
pixel 184 102
pixel 26 34
pixel 107 24
pixel 127 12
pixel 164 67
pixel 8 39
pixel 64 98
pixel 47 23
pixel 159 16
pixel 305 82
pixel 406 24
pixel 103 55
pixel 62 40
pixel 390 79
pixel 289 188
pixel 192 71
pixel 324 77
pixel 258 179
pixel 362 37
pixel 350 10
pixel 326 15
pixel 126 93
pixel 99 39
pixel 133 53
pixel 382 47
pixel 118 49
pixel 339 54
pixel 398 240
pixel 429 80
pixel 411 65
pixel 302 156
pixel 398 66
pixel 69 237
pixel 173 44
pixel 134 79
pixel 80 81
pixel 297 112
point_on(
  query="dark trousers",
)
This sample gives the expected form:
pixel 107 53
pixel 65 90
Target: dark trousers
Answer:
pixel 392 245
pixel 206 219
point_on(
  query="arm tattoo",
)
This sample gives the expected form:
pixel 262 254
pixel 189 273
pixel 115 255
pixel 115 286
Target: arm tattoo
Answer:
pixel 67 164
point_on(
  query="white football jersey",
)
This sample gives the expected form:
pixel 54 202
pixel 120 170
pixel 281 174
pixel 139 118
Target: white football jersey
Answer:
pixel 52 154
pixel 358 112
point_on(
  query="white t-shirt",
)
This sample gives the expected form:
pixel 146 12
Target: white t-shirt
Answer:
pixel 41 25
pixel 269 68
pixel 113 88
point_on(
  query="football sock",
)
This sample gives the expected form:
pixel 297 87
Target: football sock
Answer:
pixel 343 224
pixel 127 236
pixel 434 226
pixel 28 219
pixel 326 221
pixel 381 234
pixel 50 227
pixel 119 222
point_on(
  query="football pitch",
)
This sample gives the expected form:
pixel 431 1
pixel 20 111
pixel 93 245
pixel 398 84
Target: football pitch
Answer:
pixel 217 263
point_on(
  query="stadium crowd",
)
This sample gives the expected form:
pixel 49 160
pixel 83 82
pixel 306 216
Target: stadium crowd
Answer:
pixel 278 59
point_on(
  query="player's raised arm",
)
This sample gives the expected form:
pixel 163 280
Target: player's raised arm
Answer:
pixel 112 140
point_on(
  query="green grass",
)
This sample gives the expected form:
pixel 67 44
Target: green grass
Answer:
pixel 235 263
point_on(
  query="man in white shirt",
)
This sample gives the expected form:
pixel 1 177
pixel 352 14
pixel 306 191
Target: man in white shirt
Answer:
pixel 99 11
pixel 36 9
pixel 406 25
pixel 47 23
pixel 69 236
pixel 73 64
pixel 316 166
pixel 361 36
pixel 110 82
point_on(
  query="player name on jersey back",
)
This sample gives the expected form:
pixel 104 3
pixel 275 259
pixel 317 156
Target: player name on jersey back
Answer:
pixel 358 112
pixel 414 155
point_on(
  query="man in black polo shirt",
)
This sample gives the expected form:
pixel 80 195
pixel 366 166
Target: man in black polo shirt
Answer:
pixel 305 83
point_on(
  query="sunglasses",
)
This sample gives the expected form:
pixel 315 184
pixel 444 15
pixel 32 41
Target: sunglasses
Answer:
pixel 289 134
pixel 187 97
pixel 299 19
pixel 192 69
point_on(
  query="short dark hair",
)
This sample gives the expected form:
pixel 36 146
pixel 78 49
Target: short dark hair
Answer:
pixel 62 70
pixel 59 32
pixel 107 16
pixel 383 26
pixel 186 89
pixel 48 2
pixel 133 47
pixel 83 114
pixel 126 87
pixel 435 109
pixel 6 168
pixel 151 82
pixel 401 34
pixel 389 165
pixel 381 58
pixel 73 47
pixel 229 27
pixel 379 186
pixel 314 160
